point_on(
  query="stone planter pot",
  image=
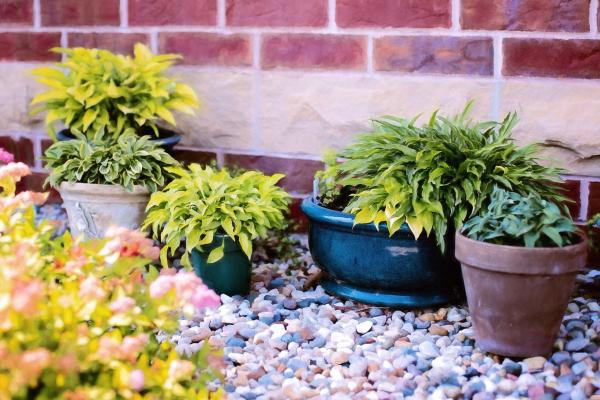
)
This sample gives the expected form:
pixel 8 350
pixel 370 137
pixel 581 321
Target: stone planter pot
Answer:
pixel 92 208
pixel 230 275
pixel 517 296
pixel 167 139
pixel 367 265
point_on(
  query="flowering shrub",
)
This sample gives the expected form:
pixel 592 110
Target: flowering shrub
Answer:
pixel 78 319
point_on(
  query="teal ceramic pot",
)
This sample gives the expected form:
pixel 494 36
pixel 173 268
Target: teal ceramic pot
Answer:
pixel 367 265
pixel 230 275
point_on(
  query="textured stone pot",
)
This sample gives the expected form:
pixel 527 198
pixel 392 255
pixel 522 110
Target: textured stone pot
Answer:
pixel 230 275
pixel 517 296
pixel 369 266
pixel 92 209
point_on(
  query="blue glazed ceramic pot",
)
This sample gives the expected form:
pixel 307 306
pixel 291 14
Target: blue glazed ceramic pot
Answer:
pixel 369 266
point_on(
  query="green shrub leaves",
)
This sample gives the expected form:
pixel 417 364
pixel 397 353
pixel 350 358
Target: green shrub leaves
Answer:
pixel 201 203
pixel 132 160
pixel 98 94
pixel 516 220
pixel 433 176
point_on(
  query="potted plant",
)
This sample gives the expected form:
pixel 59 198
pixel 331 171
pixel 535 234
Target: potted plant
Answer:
pixel 106 184
pixel 101 95
pixel 400 181
pixel 218 215
pixel 519 258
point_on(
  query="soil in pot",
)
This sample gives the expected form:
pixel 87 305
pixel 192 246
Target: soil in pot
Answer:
pixel 167 139
pixel 230 275
pixel 516 295
pixel 92 208
pixel 367 265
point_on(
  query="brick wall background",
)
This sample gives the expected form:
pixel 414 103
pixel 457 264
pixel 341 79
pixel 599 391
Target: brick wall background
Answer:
pixel 282 80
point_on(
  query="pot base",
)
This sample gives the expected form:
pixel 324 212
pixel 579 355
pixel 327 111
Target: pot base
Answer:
pixel 384 298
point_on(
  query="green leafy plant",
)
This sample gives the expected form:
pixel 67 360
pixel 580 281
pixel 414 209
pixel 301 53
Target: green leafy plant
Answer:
pixel 98 94
pixel 201 203
pixel 132 160
pixel 593 226
pixel 432 176
pixel 516 220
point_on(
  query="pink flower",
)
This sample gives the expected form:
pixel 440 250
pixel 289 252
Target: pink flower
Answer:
pixel 122 305
pixel 136 380
pixel 129 243
pixel 15 171
pixel 26 295
pixel 203 297
pixel 6 157
pixel 132 346
pixel 90 288
pixel 180 369
pixel 161 286
pixel 33 362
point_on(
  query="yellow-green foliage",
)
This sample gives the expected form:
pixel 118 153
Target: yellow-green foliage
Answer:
pixel 100 94
pixel 78 319
pixel 203 202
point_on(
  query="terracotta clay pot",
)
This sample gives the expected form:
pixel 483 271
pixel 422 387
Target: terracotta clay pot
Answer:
pixel 93 208
pixel 517 296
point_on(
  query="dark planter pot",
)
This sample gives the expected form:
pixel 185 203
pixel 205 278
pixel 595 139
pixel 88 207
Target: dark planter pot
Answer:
pixel 517 296
pixel 230 275
pixel 167 139
pixel 367 265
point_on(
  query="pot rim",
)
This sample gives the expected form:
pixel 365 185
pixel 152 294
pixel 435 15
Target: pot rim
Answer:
pixel 538 250
pixel 520 259
pixel 100 189
pixel 316 212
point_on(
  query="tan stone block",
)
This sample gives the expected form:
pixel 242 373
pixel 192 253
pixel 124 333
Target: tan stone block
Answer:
pixel 226 110
pixel 564 115
pixel 17 88
pixel 307 113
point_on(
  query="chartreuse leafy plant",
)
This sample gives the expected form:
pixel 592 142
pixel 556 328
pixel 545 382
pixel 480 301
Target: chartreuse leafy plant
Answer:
pixel 202 203
pixel 516 220
pixel 132 160
pixel 434 176
pixel 78 320
pixel 98 94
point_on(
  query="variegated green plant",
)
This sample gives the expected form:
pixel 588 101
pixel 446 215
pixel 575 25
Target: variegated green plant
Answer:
pixel 433 176
pixel 98 94
pixel 132 160
pixel 201 203
pixel 515 220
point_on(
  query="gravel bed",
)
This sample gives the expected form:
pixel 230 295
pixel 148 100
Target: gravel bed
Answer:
pixel 283 342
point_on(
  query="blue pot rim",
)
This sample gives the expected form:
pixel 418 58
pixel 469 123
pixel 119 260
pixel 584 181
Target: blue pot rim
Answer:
pixel 170 139
pixel 315 212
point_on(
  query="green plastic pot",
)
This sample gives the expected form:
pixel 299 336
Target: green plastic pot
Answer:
pixel 230 275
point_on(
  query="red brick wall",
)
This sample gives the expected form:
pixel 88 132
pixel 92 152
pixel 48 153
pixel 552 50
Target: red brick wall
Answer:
pixel 474 38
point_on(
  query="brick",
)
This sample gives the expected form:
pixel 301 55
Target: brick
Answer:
pixel 435 54
pixel 572 190
pixel 35 182
pixel 21 149
pixel 299 174
pixel 208 48
pixel 393 13
pixel 16 12
pixel 526 15
pixel 116 42
pixel 313 51
pixel 79 13
pixel 28 46
pixel 594 199
pixel 297 216
pixel 188 155
pixel 552 57
pixel 168 12
pixel 276 13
